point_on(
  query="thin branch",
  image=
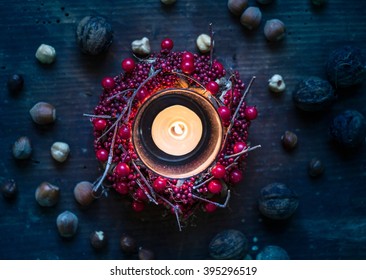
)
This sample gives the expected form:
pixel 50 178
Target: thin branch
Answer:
pixel 144 179
pixel 119 93
pixel 243 152
pixel 175 207
pixel 212 44
pixel 146 193
pixel 97 116
pixel 213 202
pixel 189 77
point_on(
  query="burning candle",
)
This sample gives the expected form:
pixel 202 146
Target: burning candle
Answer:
pixel 176 130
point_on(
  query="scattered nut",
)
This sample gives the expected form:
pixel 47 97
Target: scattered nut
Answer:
pixel 83 193
pixel 289 140
pixel 141 47
pixel 60 151
pixel 94 35
pixel 67 224
pixel 128 244
pixel 46 54
pixel 313 94
pixel 276 84
pixel 47 195
pixel 316 168
pixel 272 252
pixel 15 83
pixel 229 244
pixel 251 18
pixel 274 30
pixel 277 201
pixel 203 43
pixel 98 240
pixel 237 6
pixel 43 113
pixel 9 189
pixel 145 254
pixel 22 148
pixel 168 2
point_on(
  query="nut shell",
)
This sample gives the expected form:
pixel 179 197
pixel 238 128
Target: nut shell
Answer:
pixel 251 18
pixel 98 240
pixel 9 189
pixel 229 244
pixel 128 244
pixel 22 148
pixel 83 193
pixel 43 113
pixel 60 151
pixel 94 35
pixel 46 54
pixel 272 252
pixel 67 224
pixel 237 7
pixel 203 43
pixel 274 30
pixel 277 201
pixel 47 195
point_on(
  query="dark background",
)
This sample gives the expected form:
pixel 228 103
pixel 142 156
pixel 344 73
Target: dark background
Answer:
pixel 330 222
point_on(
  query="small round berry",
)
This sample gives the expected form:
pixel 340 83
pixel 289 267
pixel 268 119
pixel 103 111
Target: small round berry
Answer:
pixel 142 94
pixel 239 146
pixel 159 184
pixel 212 87
pixel 102 155
pixel 167 44
pixel 187 67
pixel 15 83
pixel 218 171
pixel 108 83
pixel 251 112
pixel 128 64
pixel 210 207
pixel 122 188
pixel 122 169
pixel 220 69
pixel 224 113
pixel 124 132
pixel 140 195
pixel 138 206
pixel 100 124
pixel 236 176
pixel 214 186
pixel 188 56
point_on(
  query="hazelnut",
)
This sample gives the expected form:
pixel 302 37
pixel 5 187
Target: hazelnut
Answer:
pixel 141 47
pixel 98 240
pixel 46 54
pixel 274 30
pixel 128 244
pixel 94 35
pixel 67 224
pixel 60 151
pixel 264 2
pixel 276 83
pixel 289 140
pixel 316 167
pixel 15 83
pixel 168 2
pixel 145 254
pixel 203 42
pixel 9 189
pixel 237 7
pixel 47 195
pixel 43 113
pixel 22 148
pixel 83 193
pixel 251 18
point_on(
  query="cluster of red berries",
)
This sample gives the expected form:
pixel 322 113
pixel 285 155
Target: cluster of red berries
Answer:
pixel 119 102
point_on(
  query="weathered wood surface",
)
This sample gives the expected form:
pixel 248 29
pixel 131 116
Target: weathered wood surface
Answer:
pixel 330 222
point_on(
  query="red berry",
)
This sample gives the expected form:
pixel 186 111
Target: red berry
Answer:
pixel 128 64
pixel 239 146
pixel 236 176
pixel 212 87
pixel 108 83
pixel 224 113
pixel 188 56
pixel 210 207
pixel 142 94
pixel 218 66
pixel 100 124
pixel 167 44
pixel 122 188
pixel 140 194
pixel 214 186
pixel 218 171
pixel 159 184
pixel 138 206
pixel 187 67
pixel 251 112
pixel 122 169
pixel 102 155
pixel 124 132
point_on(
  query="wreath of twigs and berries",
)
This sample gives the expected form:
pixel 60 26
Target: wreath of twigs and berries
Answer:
pixel 114 116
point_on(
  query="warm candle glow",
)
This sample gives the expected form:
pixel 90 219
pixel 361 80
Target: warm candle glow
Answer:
pixel 176 130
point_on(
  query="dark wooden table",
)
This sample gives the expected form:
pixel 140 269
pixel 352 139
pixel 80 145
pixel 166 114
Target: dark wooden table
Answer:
pixel 330 222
